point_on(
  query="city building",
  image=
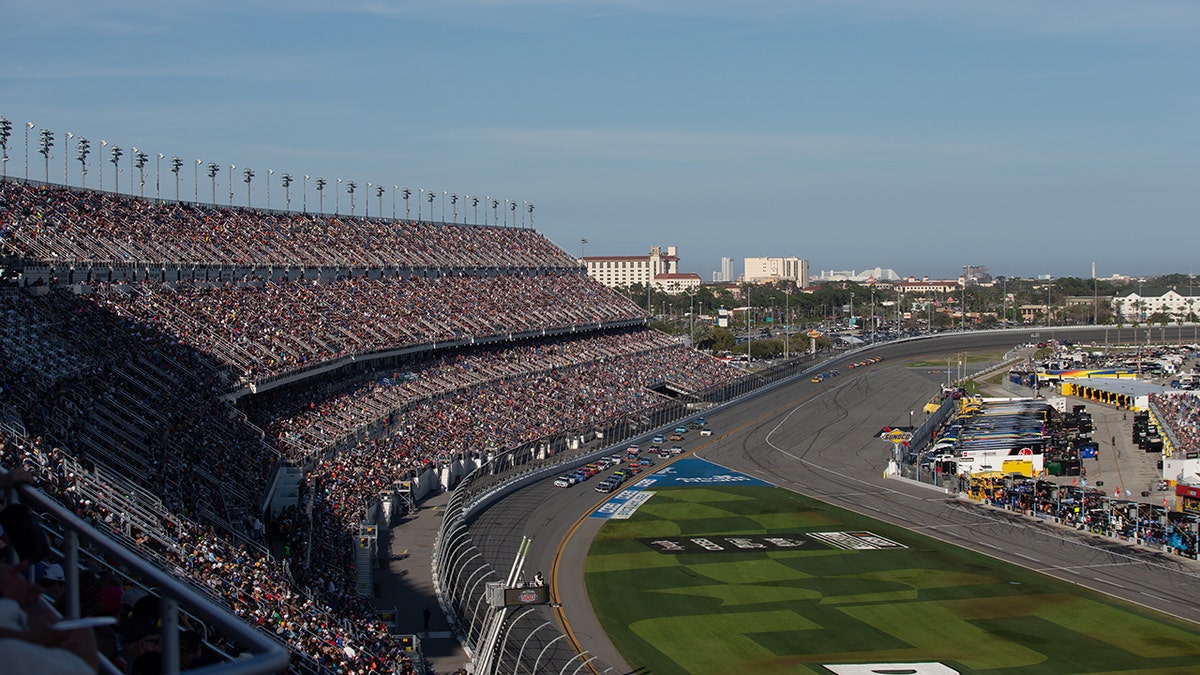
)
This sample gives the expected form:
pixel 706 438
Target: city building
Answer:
pixel 726 273
pixel 683 282
pixel 759 270
pixel 876 274
pixel 1140 305
pixel 620 271
pixel 927 285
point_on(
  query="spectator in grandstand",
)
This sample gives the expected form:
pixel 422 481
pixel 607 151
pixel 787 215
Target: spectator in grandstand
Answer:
pixel 29 643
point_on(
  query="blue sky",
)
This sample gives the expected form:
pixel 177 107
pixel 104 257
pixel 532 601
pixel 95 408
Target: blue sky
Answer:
pixel 1031 136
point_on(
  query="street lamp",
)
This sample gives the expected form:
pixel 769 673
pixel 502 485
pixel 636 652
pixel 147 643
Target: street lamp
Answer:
pixel 176 165
pixel 320 183
pixel 66 158
pixel 115 157
pixel 213 169
pixel 46 141
pixel 5 134
pixel 82 150
pixel 247 176
pixel 286 181
pixel 787 320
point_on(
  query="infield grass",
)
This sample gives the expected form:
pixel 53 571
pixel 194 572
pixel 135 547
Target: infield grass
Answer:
pixel 790 611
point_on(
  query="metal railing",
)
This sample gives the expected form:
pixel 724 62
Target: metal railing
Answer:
pixel 265 655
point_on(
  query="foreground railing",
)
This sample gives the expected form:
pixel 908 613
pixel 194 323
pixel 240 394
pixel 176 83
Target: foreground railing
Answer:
pixel 264 654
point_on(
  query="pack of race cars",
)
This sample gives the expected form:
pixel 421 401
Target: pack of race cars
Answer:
pixel 632 461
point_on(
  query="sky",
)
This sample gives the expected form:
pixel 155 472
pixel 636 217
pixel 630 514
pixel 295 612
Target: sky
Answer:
pixel 1031 136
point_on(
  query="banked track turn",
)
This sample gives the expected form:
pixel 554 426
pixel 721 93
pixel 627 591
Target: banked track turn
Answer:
pixel 819 439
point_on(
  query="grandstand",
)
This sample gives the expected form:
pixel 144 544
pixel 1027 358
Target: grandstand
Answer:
pixel 235 393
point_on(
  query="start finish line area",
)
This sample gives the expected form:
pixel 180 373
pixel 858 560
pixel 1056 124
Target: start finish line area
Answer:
pixel 700 569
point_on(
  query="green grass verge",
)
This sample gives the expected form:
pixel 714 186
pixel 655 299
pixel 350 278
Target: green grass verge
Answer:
pixel 792 611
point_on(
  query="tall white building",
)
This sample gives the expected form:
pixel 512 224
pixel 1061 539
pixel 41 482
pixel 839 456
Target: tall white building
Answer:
pixel 619 271
pixel 726 273
pixel 777 269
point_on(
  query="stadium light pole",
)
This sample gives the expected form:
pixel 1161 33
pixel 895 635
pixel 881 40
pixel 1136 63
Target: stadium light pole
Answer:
pixel 337 197
pixel 475 205
pixel 82 150
pixel 28 126
pixel 394 188
pixel 158 176
pixel 523 204
pixel 512 206
pixel 196 181
pixel 304 196
pixel 429 195
pixel 351 186
pixel 247 176
pixel 406 194
pixel 232 168
pixel 320 183
pixel 45 142
pixel 5 134
pixel 66 157
pixel 100 163
pixel 583 242
pixel 270 172
pixel 286 181
pixel 132 155
pixel 379 195
pixel 142 158
pixel 454 206
pixel 213 169
pixel 367 202
pixel 176 165
pixel 443 206
pixel 495 205
pixel 115 157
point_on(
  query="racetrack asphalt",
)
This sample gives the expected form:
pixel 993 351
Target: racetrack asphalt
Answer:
pixel 820 439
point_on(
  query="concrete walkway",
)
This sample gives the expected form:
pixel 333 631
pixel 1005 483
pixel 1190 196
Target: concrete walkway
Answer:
pixel 405 583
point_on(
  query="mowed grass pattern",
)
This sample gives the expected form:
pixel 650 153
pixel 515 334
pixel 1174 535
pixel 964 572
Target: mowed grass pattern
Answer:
pixel 792 611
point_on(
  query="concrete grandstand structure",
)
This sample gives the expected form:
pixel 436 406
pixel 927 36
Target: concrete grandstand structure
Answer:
pixel 238 395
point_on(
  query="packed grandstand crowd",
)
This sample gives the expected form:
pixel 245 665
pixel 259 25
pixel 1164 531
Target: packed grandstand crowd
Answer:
pixel 134 379
pixel 1180 412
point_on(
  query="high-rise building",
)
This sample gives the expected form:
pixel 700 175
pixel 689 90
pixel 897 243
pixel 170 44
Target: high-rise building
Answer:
pixel 777 269
pixel 619 271
pixel 726 273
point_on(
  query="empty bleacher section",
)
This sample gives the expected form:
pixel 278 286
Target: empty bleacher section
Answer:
pixel 125 359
